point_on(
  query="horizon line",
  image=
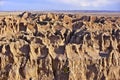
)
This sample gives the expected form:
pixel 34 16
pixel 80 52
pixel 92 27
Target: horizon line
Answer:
pixel 60 10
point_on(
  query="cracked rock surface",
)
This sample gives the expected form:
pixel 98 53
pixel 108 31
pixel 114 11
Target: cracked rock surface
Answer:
pixel 50 46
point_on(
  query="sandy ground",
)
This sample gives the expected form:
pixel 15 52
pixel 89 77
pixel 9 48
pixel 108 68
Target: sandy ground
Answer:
pixel 82 13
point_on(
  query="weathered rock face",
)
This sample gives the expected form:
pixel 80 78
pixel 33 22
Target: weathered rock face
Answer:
pixel 59 47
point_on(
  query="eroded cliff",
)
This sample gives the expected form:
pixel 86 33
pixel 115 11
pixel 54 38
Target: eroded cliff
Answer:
pixel 59 47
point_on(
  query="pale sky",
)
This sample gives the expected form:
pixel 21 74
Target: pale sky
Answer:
pixel 15 5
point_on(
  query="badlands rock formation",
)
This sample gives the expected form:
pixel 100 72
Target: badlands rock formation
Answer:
pixel 50 46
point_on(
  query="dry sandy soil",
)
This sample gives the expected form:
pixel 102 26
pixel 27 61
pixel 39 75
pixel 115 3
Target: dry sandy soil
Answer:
pixel 59 46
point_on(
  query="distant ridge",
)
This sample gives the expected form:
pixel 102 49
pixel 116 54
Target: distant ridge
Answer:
pixel 89 11
pixel 84 11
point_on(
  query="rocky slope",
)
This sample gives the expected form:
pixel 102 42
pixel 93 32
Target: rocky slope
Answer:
pixel 59 47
